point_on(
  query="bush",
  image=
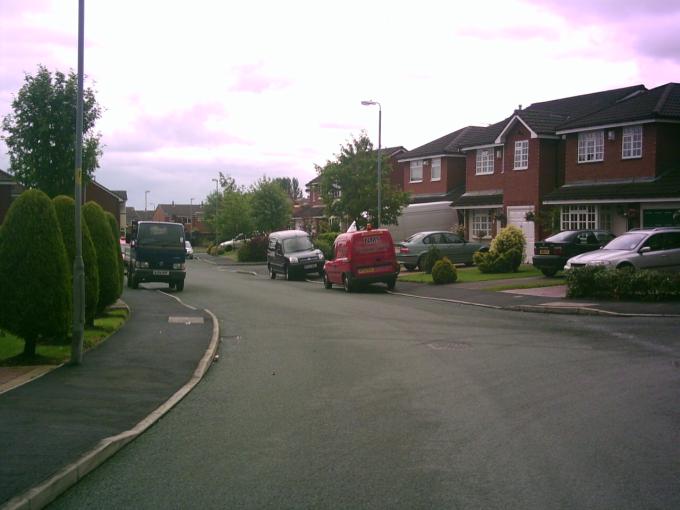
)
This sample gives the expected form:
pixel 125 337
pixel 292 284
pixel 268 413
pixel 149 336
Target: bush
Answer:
pixel 65 208
pixel 444 272
pixel 505 254
pixel 107 262
pixel 328 237
pixel 430 258
pixel 325 247
pixel 34 275
pixel 618 284
pixel 253 250
pixel 113 225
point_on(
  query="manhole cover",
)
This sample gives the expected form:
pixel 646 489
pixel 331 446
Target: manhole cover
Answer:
pixel 185 320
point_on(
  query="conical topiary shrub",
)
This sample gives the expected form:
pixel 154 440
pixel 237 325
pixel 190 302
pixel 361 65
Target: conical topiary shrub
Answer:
pixel 113 225
pixel 107 264
pixel 34 274
pixel 65 209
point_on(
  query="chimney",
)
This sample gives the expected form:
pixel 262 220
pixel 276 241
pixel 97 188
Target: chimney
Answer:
pixel 173 203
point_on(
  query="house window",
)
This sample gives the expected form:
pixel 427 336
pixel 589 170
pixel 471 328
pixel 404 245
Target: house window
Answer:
pixel 521 155
pixel 590 146
pixel 481 224
pixel 416 171
pixel 577 217
pixel 436 169
pixel 632 142
pixel 484 161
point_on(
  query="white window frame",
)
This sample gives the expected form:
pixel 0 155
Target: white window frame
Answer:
pixel 582 217
pixel 521 155
pixel 481 222
pixel 484 163
pixel 631 142
pixel 416 167
pixel 436 163
pixel 591 147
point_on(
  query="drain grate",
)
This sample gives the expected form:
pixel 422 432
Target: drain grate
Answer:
pixel 185 320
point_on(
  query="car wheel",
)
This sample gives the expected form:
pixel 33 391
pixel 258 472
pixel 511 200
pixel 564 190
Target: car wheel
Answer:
pixel 179 286
pixel 626 265
pixel 409 267
pixel 420 263
pixel 326 282
pixel 172 285
pixel 272 274
pixel 468 263
pixel 391 283
pixel 549 272
pixel 347 282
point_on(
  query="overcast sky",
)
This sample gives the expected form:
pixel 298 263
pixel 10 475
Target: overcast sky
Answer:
pixel 190 89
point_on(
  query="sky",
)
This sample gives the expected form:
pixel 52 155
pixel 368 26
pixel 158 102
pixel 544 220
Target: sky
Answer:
pixel 191 89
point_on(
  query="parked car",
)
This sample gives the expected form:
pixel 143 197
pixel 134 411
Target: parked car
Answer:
pixel 235 243
pixel 190 249
pixel 552 253
pixel 125 251
pixel 411 251
pixel 157 254
pixel 291 253
pixel 653 248
pixel 362 257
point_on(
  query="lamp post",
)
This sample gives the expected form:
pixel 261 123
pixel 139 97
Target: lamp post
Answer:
pixel 217 196
pixel 191 219
pixel 78 323
pixel 146 193
pixel 373 103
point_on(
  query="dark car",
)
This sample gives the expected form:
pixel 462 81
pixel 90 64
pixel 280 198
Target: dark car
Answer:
pixel 291 253
pixel 411 252
pixel 552 253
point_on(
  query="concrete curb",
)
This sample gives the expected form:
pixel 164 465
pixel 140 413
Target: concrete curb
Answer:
pixel 564 310
pixel 446 300
pixel 43 494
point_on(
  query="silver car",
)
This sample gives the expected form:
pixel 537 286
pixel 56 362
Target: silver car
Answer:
pixel 410 252
pixel 653 248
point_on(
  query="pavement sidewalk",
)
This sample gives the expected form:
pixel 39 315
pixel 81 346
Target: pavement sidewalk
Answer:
pixel 65 423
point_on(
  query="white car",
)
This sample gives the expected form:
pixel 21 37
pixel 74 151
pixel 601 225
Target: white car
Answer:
pixel 233 244
pixel 189 249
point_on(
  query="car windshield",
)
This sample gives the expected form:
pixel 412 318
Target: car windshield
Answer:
pixel 567 235
pixel 625 242
pixel 160 234
pixel 297 244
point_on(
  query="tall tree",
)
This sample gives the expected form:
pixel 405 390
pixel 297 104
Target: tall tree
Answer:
pixel 290 186
pixel 235 214
pixel 348 185
pixel 41 132
pixel 271 206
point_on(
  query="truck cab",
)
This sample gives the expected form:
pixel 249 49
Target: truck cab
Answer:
pixel 157 254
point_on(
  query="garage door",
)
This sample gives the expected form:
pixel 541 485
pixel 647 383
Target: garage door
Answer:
pixel 516 217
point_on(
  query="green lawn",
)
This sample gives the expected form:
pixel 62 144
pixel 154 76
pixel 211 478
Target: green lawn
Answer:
pixel 12 346
pixel 473 274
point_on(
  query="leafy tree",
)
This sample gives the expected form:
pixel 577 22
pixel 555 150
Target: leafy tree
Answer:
pixel 235 214
pixel 35 292
pixel 65 209
pixel 107 263
pixel 41 132
pixel 290 186
pixel 348 185
pixel 271 206
pixel 113 224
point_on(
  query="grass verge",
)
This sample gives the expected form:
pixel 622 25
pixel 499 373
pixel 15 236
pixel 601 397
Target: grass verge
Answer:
pixel 533 285
pixel 11 346
pixel 473 274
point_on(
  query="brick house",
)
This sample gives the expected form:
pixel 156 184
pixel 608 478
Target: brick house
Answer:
pixel 434 175
pixel 9 190
pixel 513 165
pixel 189 215
pixel 622 164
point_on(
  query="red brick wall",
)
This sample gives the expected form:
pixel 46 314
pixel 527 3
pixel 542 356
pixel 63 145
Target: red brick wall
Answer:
pixel 667 146
pixel 483 182
pixel 108 202
pixel 452 175
pixel 613 166
pixel 520 187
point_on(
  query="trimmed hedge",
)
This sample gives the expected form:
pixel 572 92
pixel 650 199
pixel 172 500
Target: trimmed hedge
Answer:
pixel 113 224
pixel 254 250
pixel 65 208
pixel 107 262
pixel 505 254
pixel 622 284
pixel 444 272
pixel 325 247
pixel 430 259
pixel 34 275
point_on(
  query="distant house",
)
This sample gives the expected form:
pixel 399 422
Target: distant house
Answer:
pixel 9 190
pixel 189 215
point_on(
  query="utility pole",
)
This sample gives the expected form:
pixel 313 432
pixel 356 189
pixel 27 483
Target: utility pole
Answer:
pixel 217 202
pixel 78 329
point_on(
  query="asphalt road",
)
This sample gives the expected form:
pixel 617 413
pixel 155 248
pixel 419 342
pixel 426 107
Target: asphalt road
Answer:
pixel 323 399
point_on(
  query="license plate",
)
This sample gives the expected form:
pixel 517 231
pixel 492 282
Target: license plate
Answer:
pixel 159 272
pixel 310 266
pixel 365 270
pixel 544 251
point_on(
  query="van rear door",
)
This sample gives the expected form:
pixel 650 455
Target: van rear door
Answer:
pixel 372 252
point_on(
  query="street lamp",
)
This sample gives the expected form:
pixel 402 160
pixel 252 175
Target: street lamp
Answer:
pixel 191 218
pixel 145 195
pixel 373 103
pixel 217 195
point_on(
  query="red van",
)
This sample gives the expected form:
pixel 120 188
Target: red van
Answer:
pixel 364 256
